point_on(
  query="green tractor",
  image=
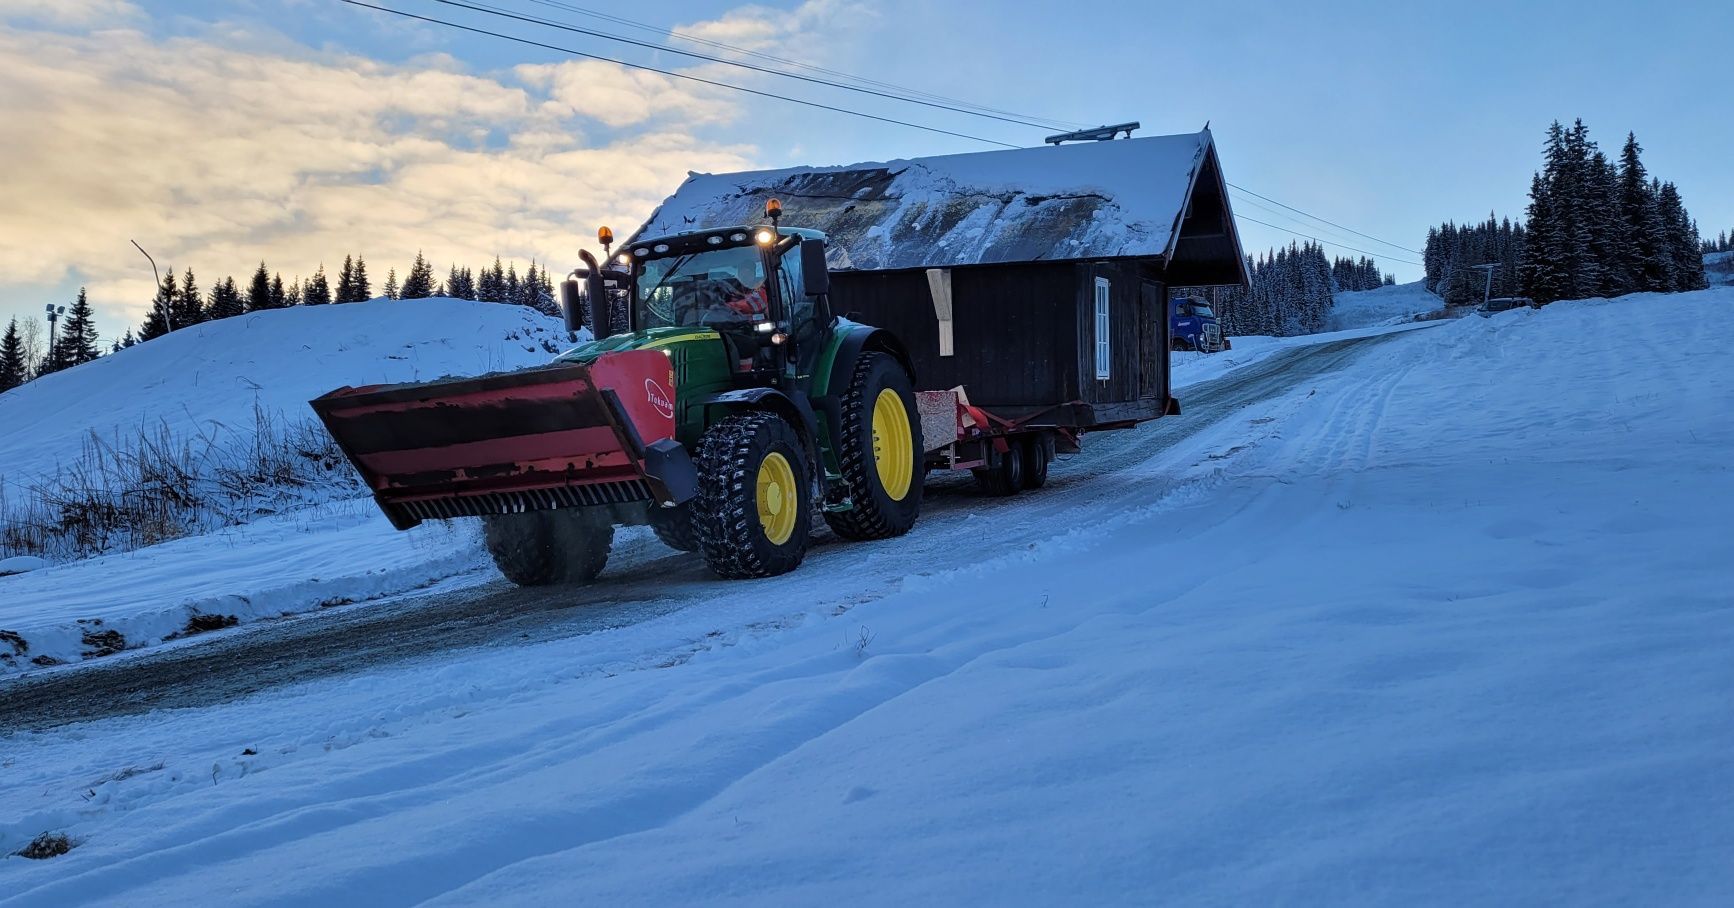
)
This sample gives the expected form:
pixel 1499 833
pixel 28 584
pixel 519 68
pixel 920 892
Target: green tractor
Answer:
pixel 729 406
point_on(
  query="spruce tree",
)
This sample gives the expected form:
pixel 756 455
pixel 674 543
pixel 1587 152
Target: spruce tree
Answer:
pixel 346 282
pixel 12 368
pixel 226 300
pixel 259 290
pixel 318 292
pixel 391 291
pixel 359 286
pixel 158 321
pixel 1682 240
pixel 279 294
pixel 490 288
pixel 419 283
pixel 188 308
pixel 76 343
pixel 294 295
pixel 510 291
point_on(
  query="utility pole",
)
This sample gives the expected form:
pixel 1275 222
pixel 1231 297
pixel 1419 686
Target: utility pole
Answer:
pixel 1487 293
pixel 168 319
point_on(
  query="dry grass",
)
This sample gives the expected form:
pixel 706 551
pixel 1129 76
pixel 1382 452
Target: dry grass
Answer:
pixel 123 494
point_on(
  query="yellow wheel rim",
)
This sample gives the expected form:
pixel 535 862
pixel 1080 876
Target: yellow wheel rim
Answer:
pixel 779 498
pixel 893 444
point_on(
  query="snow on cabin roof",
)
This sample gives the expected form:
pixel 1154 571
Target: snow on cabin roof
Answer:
pixel 1090 200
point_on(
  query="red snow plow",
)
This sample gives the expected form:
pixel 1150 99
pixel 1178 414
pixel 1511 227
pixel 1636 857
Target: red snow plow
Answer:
pixel 554 437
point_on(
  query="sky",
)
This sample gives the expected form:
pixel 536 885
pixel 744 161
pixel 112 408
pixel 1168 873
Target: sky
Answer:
pixel 222 133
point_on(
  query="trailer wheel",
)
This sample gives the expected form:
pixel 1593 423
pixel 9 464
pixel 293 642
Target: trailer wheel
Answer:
pixel 881 458
pixel 754 507
pixel 538 548
pixel 675 527
pixel 1038 453
pixel 1007 477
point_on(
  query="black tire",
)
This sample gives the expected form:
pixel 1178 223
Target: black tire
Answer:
pixel 675 527
pixel 539 548
pixel 1038 454
pixel 1006 478
pixel 877 512
pixel 731 456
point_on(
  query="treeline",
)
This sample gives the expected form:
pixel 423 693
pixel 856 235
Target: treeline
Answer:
pixel 1351 275
pixel 1290 294
pixel 180 302
pixel 1453 251
pixel 1724 242
pixel 1597 228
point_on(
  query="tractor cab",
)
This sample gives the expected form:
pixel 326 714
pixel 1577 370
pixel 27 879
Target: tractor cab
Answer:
pixel 760 290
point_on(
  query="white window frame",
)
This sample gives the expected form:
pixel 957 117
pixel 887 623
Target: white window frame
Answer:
pixel 1104 329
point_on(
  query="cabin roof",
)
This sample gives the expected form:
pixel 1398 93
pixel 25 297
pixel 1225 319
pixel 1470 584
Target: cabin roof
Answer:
pixel 1095 200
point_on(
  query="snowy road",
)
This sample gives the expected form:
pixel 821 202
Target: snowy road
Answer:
pixel 645 581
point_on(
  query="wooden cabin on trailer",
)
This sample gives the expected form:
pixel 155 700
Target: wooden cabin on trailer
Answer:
pixel 1035 278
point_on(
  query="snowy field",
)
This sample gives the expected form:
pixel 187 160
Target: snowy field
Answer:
pixel 1381 306
pixel 1450 626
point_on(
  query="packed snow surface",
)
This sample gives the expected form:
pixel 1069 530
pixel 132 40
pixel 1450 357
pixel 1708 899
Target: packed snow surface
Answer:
pixel 1380 306
pixel 1448 626
pixel 204 381
pixel 1084 200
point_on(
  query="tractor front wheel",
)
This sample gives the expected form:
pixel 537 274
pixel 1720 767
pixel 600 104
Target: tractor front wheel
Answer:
pixel 538 548
pixel 675 527
pixel 755 500
pixel 881 458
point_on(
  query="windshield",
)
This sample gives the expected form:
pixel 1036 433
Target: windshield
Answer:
pixel 1203 311
pixel 716 288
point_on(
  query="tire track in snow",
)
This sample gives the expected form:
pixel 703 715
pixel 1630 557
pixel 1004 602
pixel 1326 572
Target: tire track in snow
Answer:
pixel 646 582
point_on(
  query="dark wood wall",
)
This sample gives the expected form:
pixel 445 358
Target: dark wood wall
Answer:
pixel 1024 334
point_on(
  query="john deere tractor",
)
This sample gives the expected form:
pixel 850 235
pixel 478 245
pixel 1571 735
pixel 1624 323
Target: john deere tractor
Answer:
pixel 728 407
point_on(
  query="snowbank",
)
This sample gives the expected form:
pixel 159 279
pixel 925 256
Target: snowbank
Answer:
pixel 1719 268
pixel 1382 306
pixel 207 379
pixel 1452 621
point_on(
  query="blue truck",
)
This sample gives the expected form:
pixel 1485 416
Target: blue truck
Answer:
pixel 1193 326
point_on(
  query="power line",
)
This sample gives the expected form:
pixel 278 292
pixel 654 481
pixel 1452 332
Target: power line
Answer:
pixel 1050 122
pixel 1290 217
pixel 1315 239
pixel 550 23
pixel 676 75
pixel 1322 220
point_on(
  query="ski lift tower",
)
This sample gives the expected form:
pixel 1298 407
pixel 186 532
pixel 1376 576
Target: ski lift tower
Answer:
pixel 1487 292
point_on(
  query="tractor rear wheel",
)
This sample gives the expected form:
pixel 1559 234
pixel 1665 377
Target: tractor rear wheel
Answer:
pixel 754 510
pixel 881 457
pixel 675 527
pixel 538 548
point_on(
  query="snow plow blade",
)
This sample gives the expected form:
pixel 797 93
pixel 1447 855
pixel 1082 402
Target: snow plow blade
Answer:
pixel 553 437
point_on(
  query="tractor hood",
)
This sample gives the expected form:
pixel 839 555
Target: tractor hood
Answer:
pixel 649 339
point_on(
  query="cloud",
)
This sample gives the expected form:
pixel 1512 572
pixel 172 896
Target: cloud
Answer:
pixel 232 146
pixel 68 12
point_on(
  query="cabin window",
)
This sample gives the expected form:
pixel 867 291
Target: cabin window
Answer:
pixel 1104 340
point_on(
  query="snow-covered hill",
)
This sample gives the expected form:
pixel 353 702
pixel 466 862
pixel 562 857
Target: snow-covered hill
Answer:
pixel 1447 625
pixel 1383 306
pixel 207 379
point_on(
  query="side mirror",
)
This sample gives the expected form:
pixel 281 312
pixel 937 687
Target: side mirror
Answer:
pixel 601 320
pixel 572 304
pixel 814 271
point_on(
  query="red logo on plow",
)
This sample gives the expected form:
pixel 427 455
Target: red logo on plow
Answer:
pixel 658 398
